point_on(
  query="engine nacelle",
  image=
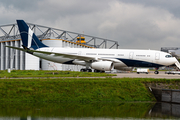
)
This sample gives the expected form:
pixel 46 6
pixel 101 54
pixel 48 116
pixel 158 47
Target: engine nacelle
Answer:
pixel 122 66
pixel 78 62
pixel 102 65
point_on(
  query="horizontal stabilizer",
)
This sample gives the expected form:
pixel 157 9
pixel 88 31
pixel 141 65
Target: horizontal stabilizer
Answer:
pixel 16 48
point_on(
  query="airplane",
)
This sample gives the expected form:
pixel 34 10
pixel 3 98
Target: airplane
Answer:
pixel 97 59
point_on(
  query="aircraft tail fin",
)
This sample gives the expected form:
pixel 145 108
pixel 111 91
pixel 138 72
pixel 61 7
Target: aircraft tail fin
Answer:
pixel 29 39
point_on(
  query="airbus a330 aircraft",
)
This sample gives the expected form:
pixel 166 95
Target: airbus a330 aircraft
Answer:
pixel 98 59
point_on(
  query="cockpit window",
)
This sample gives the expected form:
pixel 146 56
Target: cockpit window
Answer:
pixel 168 56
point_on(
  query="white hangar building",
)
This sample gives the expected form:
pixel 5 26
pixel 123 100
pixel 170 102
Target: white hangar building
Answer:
pixel 18 60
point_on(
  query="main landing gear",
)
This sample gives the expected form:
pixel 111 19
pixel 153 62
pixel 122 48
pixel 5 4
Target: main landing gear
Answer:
pixel 156 72
pixel 90 70
pixel 100 71
pixel 85 70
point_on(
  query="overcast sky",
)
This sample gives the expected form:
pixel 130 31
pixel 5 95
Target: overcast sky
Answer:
pixel 140 24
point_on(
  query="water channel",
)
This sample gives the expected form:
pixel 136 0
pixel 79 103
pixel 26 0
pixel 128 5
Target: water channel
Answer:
pixel 91 111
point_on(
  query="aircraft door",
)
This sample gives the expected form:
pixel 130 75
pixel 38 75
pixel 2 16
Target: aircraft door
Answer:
pixel 157 56
pixel 79 53
pixel 131 55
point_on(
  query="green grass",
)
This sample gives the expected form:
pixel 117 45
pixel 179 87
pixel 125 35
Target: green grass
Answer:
pixel 74 89
pixel 78 89
pixel 47 73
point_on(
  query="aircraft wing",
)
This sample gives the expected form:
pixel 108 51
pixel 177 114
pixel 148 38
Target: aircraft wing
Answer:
pixel 66 55
pixel 80 57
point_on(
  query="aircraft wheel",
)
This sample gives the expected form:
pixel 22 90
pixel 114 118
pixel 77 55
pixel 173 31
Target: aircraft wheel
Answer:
pixel 83 70
pixel 156 72
pixel 99 71
pixel 96 70
pixel 89 70
pixel 102 71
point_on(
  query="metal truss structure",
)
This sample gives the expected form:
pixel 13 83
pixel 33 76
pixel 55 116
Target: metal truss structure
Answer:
pixel 166 49
pixel 11 32
pixel 174 51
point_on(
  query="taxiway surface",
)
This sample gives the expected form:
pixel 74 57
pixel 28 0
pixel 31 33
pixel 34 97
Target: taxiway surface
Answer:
pixel 150 75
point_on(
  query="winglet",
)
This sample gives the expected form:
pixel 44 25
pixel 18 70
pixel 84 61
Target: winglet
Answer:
pixel 29 39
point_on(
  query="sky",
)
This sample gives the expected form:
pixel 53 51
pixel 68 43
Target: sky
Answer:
pixel 135 24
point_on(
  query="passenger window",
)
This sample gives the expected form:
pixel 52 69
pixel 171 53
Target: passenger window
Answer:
pixel 168 56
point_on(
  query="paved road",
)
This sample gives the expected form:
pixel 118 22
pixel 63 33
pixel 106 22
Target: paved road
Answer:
pixel 150 75
pixel 121 75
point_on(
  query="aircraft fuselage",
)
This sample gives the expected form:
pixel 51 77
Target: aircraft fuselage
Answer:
pixel 120 57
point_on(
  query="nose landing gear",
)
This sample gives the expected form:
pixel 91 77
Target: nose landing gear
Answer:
pixel 156 72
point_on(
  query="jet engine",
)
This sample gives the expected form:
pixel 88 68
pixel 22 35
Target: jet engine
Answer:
pixel 122 66
pixel 102 65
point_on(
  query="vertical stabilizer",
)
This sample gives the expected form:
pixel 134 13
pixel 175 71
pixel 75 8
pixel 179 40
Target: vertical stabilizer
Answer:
pixel 29 39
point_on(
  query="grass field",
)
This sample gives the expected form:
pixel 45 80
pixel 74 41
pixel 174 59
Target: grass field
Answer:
pixel 77 89
pixel 73 89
